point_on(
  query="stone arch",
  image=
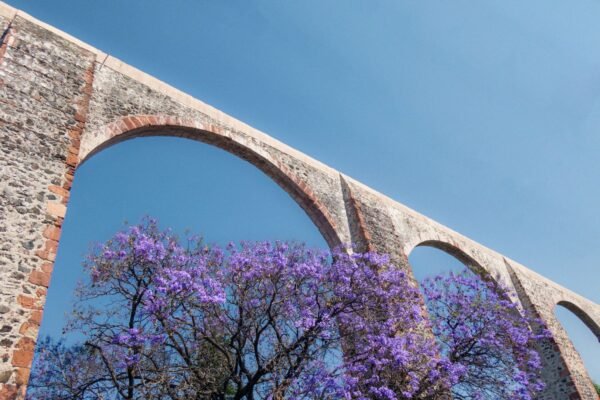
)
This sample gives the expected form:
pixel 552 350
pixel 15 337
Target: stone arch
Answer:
pixel 570 355
pixel 131 127
pixel 456 252
pixel 582 315
pixel 473 265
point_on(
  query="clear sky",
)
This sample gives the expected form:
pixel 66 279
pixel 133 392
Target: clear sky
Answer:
pixel 482 115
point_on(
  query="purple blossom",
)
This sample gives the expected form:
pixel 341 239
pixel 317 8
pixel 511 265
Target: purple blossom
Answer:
pixel 282 321
pixel 480 329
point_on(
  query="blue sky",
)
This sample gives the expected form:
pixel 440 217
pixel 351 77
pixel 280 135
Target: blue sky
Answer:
pixel 482 115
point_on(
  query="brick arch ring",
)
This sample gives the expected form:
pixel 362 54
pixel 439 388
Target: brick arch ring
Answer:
pixel 457 253
pixel 131 127
pixel 469 262
pixel 582 315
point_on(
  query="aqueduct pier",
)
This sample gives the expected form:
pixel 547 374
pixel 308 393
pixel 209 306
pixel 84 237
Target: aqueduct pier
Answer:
pixel 62 100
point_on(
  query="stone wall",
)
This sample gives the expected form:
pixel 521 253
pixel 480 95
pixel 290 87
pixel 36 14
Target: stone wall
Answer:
pixel 563 367
pixel 44 82
pixel 62 101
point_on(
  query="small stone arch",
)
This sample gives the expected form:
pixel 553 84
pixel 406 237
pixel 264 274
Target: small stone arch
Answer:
pixel 582 315
pixel 243 146
pixel 455 252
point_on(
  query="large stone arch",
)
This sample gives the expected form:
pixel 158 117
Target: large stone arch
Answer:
pixel 456 252
pixel 136 126
pixel 569 353
pixel 592 324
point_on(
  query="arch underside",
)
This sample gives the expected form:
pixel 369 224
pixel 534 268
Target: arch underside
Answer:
pixel 278 172
pixel 592 325
pixel 457 253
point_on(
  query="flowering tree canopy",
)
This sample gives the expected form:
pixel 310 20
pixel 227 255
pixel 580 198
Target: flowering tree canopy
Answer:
pixel 165 320
pixel 480 328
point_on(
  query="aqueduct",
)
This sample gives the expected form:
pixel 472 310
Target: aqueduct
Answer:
pixel 62 100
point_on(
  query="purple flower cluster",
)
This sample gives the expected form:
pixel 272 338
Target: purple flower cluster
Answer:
pixel 277 320
pixel 479 327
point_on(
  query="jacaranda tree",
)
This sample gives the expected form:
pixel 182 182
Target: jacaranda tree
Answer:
pixel 480 328
pixel 166 320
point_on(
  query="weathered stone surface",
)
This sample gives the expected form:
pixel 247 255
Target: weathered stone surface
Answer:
pixel 61 101
pixel 42 82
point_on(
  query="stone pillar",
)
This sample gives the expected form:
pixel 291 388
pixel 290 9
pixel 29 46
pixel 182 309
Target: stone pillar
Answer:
pixel 45 84
pixel 563 370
